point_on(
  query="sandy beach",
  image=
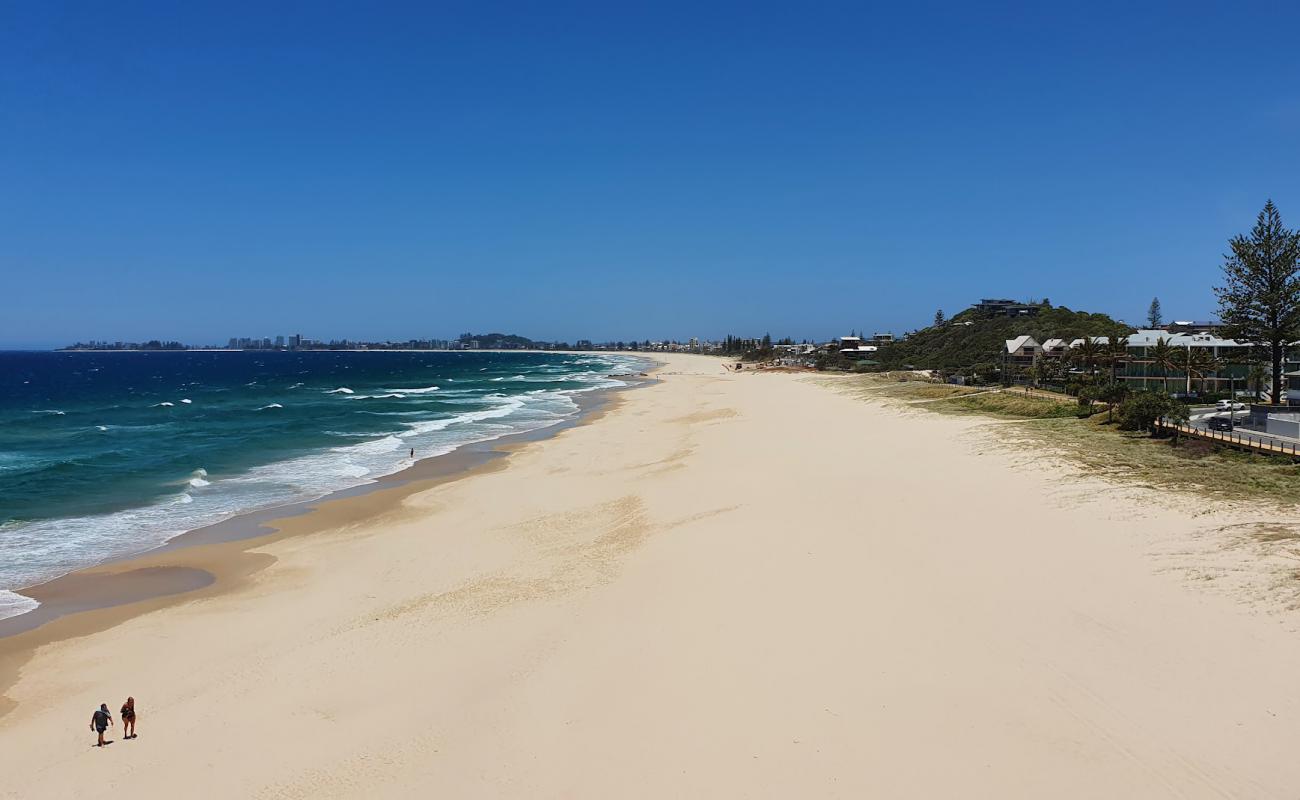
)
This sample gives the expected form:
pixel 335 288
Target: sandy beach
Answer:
pixel 723 585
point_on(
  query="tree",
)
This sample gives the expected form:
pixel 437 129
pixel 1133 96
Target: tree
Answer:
pixel 1140 410
pixel 1115 353
pixel 1256 377
pixel 1086 353
pixel 1195 362
pixel 939 318
pixel 1163 355
pixel 1112 394
pixel 1154 319
pixel 1259 302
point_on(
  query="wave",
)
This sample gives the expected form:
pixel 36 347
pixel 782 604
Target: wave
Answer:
pixel 163 404
pixel 272 405
pixel 101 427
pixel 12 604
pixel 37 550
pixel 390 396
pixel 425 390
pixel 187 401
pixel 54 412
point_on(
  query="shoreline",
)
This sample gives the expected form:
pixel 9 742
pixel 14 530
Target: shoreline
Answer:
pixel 729 586
pixel 160 575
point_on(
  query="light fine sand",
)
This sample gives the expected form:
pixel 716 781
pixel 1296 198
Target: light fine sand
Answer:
pixel 728 585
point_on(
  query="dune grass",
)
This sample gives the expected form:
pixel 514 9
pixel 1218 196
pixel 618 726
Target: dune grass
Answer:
pixel 1201 469
pixel 1010 405
pixel 1192 465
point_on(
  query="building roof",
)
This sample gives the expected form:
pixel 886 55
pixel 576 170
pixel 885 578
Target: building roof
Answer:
pixel 1052 344
pixel 1020 341
pixel 1147 337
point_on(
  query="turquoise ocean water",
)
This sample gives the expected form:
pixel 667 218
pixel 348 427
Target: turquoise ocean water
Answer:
pixel 108 454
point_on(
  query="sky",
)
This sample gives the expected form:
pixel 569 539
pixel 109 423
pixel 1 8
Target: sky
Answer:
pixel 197 171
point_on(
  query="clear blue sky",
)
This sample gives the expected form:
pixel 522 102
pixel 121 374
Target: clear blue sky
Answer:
pixel 610 170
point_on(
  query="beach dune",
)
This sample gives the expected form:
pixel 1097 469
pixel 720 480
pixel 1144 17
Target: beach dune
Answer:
pixel 725 585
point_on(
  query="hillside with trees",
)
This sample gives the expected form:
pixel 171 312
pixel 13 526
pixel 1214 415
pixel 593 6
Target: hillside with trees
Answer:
pixel 956 346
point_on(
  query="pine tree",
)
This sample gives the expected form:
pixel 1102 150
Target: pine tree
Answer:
pixel 1154 319
pixel 939 318
pixel 1259 302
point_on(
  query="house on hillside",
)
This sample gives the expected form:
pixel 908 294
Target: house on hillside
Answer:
pixel 1007 308
pixel 1056 348
pixel 1020 353
pixel 853 348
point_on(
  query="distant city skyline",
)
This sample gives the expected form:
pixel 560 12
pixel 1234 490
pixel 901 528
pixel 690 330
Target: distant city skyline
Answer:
pixel 604 172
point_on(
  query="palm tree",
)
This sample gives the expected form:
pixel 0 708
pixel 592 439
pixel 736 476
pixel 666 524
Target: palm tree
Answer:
pixel 1207 362
pixel 1086 353
pixel 1195 362
pixel 1113 394
pixel 1256 378
pixel 1162 356
pixel 1115 353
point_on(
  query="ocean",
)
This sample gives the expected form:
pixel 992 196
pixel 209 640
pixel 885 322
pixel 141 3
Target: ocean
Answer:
pixel 108 454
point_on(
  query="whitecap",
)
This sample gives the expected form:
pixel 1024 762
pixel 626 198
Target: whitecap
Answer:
pixel 198 478
pixel 340 390
pixel 163 404
pixel 423 390
pixel 101 427
pixel 187 401
pixel 54 412
pixel 272 405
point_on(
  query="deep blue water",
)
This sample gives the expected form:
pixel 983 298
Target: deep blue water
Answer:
pixel 106 454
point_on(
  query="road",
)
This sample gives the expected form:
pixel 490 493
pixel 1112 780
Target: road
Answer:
pixel 1200 418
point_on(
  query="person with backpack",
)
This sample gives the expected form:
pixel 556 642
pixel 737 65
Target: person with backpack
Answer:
pixel 99 722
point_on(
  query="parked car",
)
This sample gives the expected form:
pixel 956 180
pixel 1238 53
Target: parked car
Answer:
pixel 1220 422
pixel 1229 405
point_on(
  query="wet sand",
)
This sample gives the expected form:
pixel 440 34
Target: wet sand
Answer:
pixel 728 585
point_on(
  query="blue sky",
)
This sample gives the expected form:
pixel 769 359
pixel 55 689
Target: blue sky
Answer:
pixel 609 170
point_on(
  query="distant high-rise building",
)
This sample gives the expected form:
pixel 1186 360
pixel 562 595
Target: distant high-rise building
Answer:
pixel 279 341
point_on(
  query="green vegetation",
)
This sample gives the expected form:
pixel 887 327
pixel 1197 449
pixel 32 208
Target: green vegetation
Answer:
pixel 1013 405
pixel 1124 452
pixel 977 348
pixel 1260 298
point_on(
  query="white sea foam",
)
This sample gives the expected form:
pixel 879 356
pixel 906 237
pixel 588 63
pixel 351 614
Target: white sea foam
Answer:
pixel 163 404
pixel 340 390
pixel 272 405
pixel 54 412
pixel 198 478
pixel 424 390
pixel 101 427
pixel 35 551
pixel 12 604
pixel 187 401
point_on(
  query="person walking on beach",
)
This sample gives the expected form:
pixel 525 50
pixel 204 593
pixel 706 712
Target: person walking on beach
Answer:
pixel 412 452
pixel 99 722
pixel 128 718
